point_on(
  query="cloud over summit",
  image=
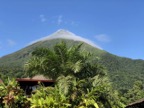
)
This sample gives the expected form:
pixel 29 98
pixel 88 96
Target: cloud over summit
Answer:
pixel 64 34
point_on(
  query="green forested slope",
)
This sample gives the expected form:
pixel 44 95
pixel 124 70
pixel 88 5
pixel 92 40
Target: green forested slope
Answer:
pixel 122 71
pixel 20 57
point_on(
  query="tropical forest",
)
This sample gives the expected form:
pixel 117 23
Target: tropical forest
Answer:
pixel 84 77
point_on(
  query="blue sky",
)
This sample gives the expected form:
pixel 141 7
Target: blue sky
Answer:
pixel 117 26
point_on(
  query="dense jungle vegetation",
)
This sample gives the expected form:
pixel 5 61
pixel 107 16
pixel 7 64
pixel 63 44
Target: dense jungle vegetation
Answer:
pixel 83 79
pixel 123 72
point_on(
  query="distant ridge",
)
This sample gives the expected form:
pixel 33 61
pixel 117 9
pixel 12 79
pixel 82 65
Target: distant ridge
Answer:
pixel 65 34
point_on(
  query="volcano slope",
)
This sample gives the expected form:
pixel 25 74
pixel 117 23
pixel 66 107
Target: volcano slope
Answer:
pixel 121 71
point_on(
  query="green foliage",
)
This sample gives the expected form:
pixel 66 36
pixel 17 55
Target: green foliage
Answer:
pixel 54 97
pixel 48 98
pixel 121 71
pixel 12 96
pixel 76 94
pixel 81 83
pixel 62 61
pixel 135 93
pixel 78 73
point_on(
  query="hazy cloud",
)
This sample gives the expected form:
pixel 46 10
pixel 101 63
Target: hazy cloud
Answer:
pixel 73 23
pixel 42 17
pixel 102 38
pixel 64 34
pixel 59 20
pixel 11 42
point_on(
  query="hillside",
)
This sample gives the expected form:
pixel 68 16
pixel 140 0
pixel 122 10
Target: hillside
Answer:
pixel 122 71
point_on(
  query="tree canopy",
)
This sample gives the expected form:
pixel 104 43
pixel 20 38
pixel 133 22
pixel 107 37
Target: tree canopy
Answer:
pixel 81 80
pixel 62 61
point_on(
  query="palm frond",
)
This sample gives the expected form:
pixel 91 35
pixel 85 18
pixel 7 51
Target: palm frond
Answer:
pixel 65 84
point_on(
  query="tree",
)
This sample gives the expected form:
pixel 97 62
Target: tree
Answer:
pixel 11 96
pixel 62 61
pixel 80 80
pixel 49 98
pixel 135 93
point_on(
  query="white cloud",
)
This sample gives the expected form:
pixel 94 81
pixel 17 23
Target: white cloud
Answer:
pixel 64 34
pixel 42 17
pixel 11 42
pixel 102 38
pixel 59 20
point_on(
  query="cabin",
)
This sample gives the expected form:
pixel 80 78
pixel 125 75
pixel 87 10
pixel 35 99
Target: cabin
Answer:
pixel 31 84
pixel 136 104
